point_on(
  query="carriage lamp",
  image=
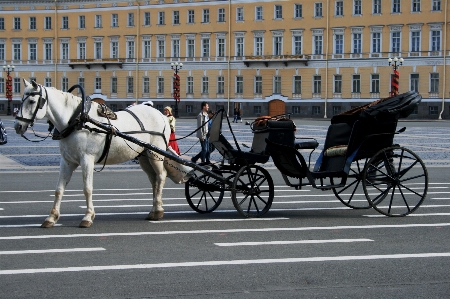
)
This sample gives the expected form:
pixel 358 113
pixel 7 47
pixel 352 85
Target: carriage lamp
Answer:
pixel 176 67
pixel 396 62
pixel 8 69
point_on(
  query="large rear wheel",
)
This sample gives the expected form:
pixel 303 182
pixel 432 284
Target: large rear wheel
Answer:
pixel 252 191
pixel 395 181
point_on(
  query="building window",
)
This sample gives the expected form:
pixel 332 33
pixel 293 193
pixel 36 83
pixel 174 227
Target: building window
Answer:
pixel 436 6
pixel 415 6
pixel 414 82
pixel 2 86
pixel 161 48
pixel 277 45
pixel 161 20
pixel 205 85
pixel 239 46
pixel 2 51
pixel 317 84
pixel 337 83
pixel 395 42
pixel 48 51
pixel 221 15
pixel 357 7
pixel 2 23
pixel 257 110
pixel 357 43
pixel 190 85
pixel 48 82
pixel 298 11
pixel 64 51
pixel 396 6
pixel 191 16
pixel 65 22
pixel 258 85
pixel 338 44
pixel 81 82
pixel 17 85
pixel 259 46
pixel 375 83
pixel 176 17
pixel 315 110
pixel 205 47
pixel 318 44
pixel 356 83
pixel 114 49
pixel 175 48
pixel 318 9
pixel 130 19
pixel 434 82
pixel 114 85
pixel 130 49
pixel 98 84
pixel 277 84
pixel 339 9
pixel 32 52
pixel 98 21
pixel 81 22
pixel 435 40
pixel 64 83
pixel 278 12
pixel 297 85
pixel 160 85
pixel 336 110
pixel 258 13
pixel 146 85
pixel 130 85
pixel 415 41
pixel 190 48
pixel 376 42
pixel 32 23
pixel 146 19
pixel 239 84
pixel 433 110
pixel 240 14
pixel 221 47
pixel 81 50
pixel 220 85
pixel 114 20
pixel 98 50
pixel 17 51
pixel 16 23
pixel 297 43
pixel 205 16
pixel 376 7
pixel 189 109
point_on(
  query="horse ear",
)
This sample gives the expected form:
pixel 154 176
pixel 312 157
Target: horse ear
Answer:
pixel 35 86
pixel 25 82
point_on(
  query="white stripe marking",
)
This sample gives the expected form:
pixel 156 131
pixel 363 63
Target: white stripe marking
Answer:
pixel 51 251
pixel 292 242
pixel 224 263
pixel 246 230
pixel 24 225
pixel 139 206
pixel 218 220
pixel 413 215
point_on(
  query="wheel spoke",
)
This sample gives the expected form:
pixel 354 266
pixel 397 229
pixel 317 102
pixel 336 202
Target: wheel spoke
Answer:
pixel 404 199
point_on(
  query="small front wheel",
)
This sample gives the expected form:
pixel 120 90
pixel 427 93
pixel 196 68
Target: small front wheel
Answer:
pixel 395 181
pixel 204 193
pixel 252 191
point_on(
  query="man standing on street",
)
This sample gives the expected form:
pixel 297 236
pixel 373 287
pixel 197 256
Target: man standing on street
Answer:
pixel 202 121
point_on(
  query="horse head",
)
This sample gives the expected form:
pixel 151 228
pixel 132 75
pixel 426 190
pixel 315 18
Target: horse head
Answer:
pixel 33 105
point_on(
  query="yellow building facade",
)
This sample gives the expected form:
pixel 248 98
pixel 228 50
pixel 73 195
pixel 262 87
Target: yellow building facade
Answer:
pixel 308 58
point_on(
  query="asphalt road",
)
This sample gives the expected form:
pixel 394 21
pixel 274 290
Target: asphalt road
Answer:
pixel 309 245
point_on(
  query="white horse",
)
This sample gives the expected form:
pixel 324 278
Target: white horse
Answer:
pixel 84 147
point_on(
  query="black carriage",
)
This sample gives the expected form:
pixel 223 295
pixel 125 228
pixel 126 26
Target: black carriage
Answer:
pixel 359 162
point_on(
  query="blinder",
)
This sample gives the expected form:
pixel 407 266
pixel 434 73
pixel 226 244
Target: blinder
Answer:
pixel 40 104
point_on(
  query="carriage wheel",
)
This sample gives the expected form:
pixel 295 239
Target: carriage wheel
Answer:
pixel 395 181
pixel 352 194
pixel 252 191
pixel 204 193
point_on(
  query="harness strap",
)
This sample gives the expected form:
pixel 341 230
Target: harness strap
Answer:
pixel 143 129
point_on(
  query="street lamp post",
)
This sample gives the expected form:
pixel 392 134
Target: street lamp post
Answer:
pixel 8 69
pixel 396 62
pixel 176 67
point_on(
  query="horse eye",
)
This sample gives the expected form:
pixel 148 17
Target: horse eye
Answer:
pixel 32 101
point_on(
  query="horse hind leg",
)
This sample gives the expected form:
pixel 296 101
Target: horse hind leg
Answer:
pixel 157 175
pixel 66 170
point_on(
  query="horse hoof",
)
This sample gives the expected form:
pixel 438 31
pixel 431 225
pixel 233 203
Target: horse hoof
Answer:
pixel 47 224
pixel 155 215
pixel 85 224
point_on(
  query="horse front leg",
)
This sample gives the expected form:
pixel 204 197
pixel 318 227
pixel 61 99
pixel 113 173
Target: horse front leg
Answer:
pixel 87 166
pixel 156 173
pixel 66 170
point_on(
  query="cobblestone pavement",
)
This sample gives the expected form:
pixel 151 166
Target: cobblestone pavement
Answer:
pixel 429 139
